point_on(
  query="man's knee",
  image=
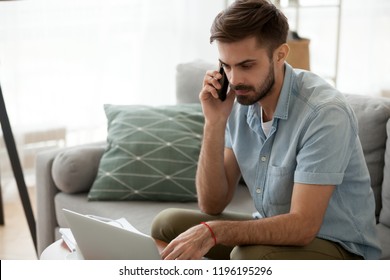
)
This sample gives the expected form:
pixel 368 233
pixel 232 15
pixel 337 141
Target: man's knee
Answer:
pixel 170 222
pixel 163 223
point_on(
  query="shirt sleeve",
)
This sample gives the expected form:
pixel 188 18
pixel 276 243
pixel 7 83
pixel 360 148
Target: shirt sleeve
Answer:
pixel 326 145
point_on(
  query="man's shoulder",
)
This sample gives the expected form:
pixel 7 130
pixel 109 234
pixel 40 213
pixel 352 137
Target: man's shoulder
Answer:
pixel 316 92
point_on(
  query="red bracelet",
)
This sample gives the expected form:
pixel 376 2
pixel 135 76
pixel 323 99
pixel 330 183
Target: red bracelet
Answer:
pixel 211 231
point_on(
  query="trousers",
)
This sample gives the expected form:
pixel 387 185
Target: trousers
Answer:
pixel 169 223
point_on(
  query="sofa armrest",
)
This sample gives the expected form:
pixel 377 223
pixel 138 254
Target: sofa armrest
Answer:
pixel 47 189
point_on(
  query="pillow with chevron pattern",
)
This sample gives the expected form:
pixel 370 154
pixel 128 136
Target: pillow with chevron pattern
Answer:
pixel 152 153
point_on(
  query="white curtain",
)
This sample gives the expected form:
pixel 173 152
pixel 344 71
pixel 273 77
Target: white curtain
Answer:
pixel 363 65
pixel 61 60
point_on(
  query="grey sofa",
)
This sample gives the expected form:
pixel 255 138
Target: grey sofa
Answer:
pixel 64 176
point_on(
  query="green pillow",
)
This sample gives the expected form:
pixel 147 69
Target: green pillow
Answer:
pixel 152 153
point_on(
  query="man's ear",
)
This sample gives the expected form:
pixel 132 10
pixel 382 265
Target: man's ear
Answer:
pixel 281 53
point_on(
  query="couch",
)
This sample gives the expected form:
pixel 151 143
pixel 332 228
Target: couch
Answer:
pixel 64 176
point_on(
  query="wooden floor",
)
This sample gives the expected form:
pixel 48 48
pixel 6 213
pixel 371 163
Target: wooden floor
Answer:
pixel 15 239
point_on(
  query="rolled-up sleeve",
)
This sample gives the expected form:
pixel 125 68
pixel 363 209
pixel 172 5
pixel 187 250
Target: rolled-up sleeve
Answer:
pixel 325 146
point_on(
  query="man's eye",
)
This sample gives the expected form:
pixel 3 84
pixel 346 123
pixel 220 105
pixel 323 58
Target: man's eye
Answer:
pixel 246 66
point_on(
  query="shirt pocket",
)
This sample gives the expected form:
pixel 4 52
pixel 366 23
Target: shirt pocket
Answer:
pixel 279 186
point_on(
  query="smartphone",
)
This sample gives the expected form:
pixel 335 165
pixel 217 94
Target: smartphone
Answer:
pixel 224 85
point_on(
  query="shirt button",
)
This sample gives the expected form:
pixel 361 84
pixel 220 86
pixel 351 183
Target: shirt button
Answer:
pixel 258 190
pixel 263 158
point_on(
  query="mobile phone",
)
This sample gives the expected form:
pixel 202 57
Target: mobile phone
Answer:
pixel 224 85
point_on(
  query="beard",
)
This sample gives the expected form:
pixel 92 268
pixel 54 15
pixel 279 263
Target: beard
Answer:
pixel 260 92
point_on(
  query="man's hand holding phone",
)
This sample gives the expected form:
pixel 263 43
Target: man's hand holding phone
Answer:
pixel 215 97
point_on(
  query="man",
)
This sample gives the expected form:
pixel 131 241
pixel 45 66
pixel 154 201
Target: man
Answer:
pixel 293 139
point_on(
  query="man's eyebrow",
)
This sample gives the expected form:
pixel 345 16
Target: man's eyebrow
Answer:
pixel 240 63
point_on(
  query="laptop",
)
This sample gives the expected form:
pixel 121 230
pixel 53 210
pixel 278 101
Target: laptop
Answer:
pixel 99 240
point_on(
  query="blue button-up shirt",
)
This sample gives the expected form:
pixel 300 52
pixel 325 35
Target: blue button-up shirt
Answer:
pixel 313 140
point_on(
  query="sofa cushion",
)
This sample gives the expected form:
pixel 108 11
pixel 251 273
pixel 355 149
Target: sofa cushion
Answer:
pixel 372 115
pixel 384 217
pixel 74 170
pixel 189 80
pixel 152 153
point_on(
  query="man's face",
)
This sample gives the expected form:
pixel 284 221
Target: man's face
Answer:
pixel 249 69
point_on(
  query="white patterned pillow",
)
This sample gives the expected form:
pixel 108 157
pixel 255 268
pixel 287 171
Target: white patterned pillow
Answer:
pixel 152 153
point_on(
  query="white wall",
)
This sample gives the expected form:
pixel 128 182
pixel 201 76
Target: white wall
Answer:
pixel 364 63
pixel 61 60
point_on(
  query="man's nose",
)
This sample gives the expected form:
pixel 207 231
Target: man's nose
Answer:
pixel 234 77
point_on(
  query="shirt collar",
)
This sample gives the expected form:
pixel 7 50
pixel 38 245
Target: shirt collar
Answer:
pixel 281 111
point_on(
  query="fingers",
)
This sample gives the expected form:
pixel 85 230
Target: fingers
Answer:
pixel 191 244
pixel 212 77
pixel 207 90
pixel 211 84
pixel 167 251
pixel 180 251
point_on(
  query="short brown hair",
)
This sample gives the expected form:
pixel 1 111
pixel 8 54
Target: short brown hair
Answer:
pixel 247 18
